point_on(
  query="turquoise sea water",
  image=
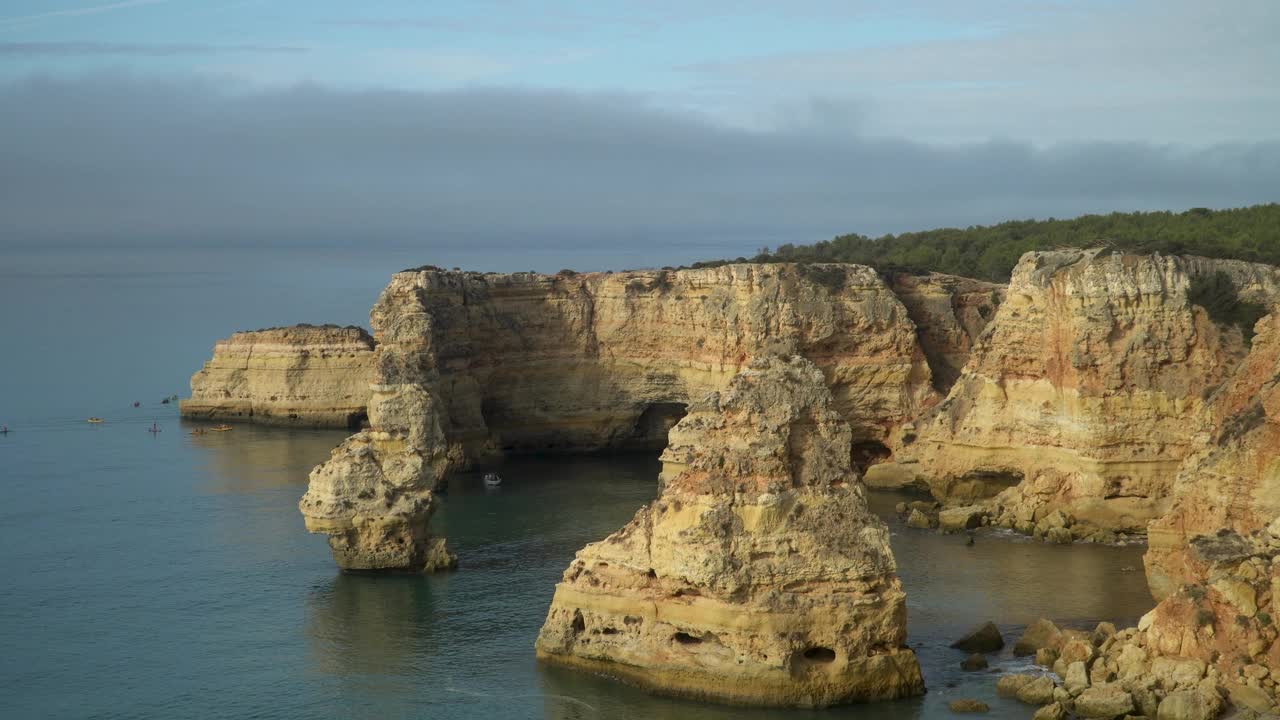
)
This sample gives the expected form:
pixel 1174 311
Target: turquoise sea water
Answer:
pixel 170 575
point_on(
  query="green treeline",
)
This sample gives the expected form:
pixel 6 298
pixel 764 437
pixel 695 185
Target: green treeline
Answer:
pixel 990 252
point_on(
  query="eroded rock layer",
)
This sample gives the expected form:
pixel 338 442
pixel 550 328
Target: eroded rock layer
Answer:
pixel 304 375
pixel 1083 394
pixel 758 575
pixel 1232 484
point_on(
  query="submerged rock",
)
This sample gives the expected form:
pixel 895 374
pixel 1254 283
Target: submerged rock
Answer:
pixel 974 662
pixel 968 705
pixel 758 576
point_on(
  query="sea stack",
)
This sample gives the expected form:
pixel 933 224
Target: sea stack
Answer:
pixel 375 494
pixel 758 576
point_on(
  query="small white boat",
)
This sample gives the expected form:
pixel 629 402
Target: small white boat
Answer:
pixel 492 479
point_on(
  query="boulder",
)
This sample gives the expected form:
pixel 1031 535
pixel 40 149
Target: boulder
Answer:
pixel 1046 657
pixel 974 662
pixel 1189 705
pixel 1037 692
pixel 1009 685
pixel 1105 701
pixel 1052 711
pixel 982 639
pixel 1076 679
pixel 918 519
pixel 961 518
pixel 1039 634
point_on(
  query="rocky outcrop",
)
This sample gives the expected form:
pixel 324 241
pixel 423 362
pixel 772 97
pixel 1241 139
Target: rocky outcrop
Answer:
pixel 375 494
pixel 1233 482
pixel 950 313
pixel 1083 393
pixel 302 376
pixel 758 576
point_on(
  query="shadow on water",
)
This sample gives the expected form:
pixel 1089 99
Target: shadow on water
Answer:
pixel 251 459
pixel 360 625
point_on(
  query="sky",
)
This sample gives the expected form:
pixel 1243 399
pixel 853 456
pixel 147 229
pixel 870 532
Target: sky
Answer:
pixel 723 125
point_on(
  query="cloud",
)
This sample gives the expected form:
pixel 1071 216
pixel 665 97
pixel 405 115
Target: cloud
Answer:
pixel 192 160
pixel 77 12
pixel 70 49
pixel 1169 70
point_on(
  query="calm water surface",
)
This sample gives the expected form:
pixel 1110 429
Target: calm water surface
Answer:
pixel 170 576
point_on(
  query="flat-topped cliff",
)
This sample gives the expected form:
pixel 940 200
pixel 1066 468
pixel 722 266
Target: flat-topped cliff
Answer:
pixel 304 376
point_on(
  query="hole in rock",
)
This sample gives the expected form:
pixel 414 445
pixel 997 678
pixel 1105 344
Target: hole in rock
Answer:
pixel 357 421
pixel 651 428
pixel 579 624
pixel 685 638
pixel 865 453
pixel 820 654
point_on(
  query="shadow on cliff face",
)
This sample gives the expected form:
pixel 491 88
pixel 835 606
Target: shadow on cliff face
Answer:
pixel 652 426
pixel 647 434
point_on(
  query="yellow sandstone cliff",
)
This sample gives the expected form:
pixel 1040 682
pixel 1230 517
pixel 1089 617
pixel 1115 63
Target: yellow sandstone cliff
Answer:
pixel 1083 393
pixel 758 576
pixel 303 376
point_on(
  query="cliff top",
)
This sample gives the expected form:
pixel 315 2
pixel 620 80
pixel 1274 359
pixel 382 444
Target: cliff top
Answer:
pixel 303 334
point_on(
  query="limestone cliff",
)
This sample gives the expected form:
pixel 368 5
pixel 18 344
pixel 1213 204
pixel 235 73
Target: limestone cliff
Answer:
pixel 542 363
pixel 1083 393
pixel 304 376
pixel 758 575
pixel 1233 482
pixel 950 312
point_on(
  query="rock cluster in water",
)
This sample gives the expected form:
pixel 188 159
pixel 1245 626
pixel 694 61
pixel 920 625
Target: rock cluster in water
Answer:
pixel 758 575
pixel 303 376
